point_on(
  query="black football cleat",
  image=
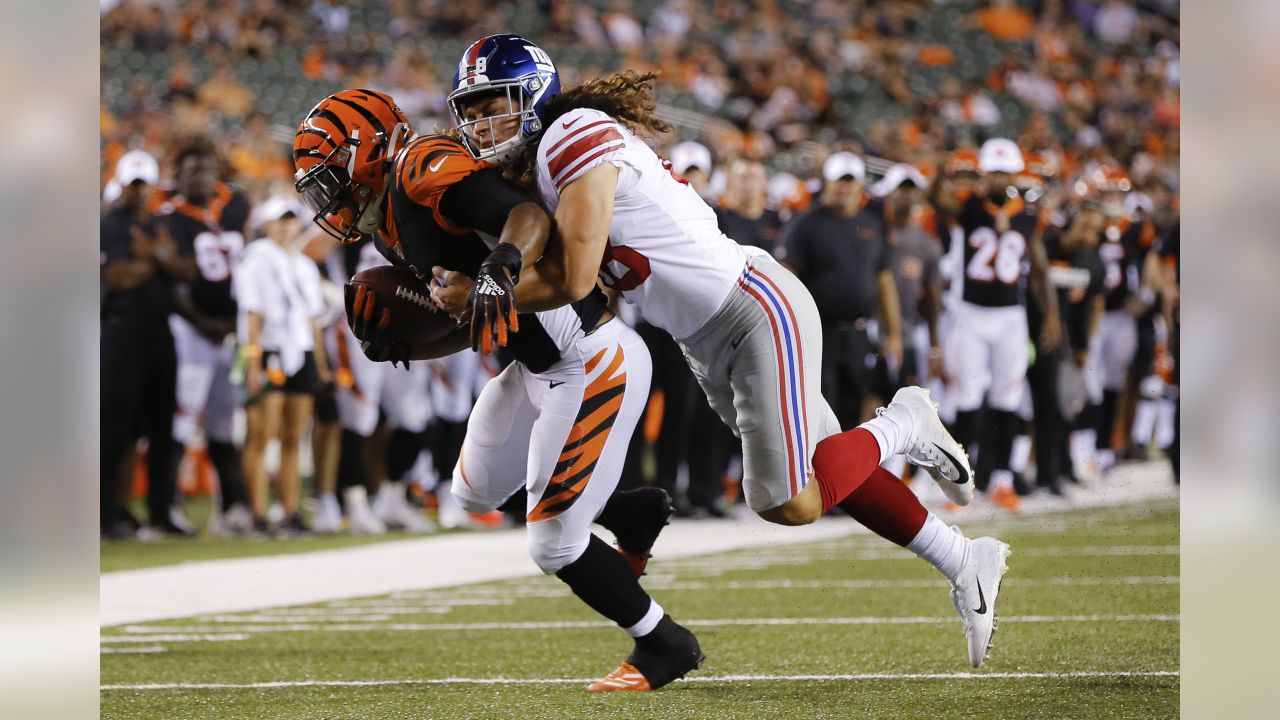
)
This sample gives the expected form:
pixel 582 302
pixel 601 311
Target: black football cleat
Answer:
pixel 660 658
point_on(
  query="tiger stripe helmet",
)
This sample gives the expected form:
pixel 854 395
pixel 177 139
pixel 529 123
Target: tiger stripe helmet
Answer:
pixel 342 155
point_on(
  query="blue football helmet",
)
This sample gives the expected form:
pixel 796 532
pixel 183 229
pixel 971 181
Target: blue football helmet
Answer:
pixel 496 65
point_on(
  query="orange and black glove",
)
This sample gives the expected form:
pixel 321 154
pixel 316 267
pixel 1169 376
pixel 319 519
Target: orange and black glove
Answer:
pixel 368 319
pixel 493 299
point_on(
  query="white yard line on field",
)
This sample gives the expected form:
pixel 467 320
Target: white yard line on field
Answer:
pixel 143 633
pixel 149 649
pixel 695 679
pixel 435 601
pixel 250 584
pixel 177 637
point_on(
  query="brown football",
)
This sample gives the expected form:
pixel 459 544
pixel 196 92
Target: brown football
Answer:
pixel 415 320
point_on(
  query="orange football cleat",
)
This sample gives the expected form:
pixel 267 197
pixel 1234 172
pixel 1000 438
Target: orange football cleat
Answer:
pixel 626 677
pixel 1005 497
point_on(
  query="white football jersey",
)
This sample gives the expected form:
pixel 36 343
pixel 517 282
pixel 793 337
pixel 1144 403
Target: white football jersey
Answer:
pixel 666 253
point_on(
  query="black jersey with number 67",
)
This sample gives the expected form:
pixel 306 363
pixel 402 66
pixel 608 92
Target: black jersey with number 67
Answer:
pixel 214 234
pixel 996 260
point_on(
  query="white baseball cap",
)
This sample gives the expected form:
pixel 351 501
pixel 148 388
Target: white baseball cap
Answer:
pixel 893 179
pixel 1000 155
pixel 137 165
pixel 842 165
pixel 275 207
pixel 689 154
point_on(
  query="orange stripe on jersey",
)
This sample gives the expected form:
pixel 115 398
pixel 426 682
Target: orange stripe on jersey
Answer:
pixel 431 165
pixel 211 213
pixel 591 364
pixel 601 402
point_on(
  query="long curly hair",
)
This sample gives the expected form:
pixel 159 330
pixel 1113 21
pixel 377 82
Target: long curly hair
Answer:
pixel 626 96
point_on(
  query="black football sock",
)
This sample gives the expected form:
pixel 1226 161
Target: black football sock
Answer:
pixel 351 466
pixel 966 431
pixel 1107 419
pixel 226 461
pixel 402 452
pixel 1004 426
pixel 602 579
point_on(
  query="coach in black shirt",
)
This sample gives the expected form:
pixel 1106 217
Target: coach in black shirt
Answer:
pixel 139 369
pixel 742 214
pixel 839 252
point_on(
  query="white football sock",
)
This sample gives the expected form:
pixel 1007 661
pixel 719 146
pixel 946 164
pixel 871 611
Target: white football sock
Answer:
pixel 1021 454
pixel 896 465
pixel 891 431
pixel 648 622
pixel 945 548
pixel 1144 422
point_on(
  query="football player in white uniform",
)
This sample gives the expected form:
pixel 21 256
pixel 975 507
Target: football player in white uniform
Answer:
pixel 748 327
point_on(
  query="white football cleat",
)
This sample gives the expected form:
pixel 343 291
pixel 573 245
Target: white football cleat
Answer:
pixel 328 517
pixel 395 511
pixel 360 518
pixel 930 445
pixel 237 520
pixel 974 594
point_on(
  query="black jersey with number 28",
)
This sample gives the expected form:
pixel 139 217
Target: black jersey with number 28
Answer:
pixel 995 254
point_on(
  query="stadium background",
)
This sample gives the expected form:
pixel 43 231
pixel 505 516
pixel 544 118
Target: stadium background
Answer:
pixel 783 82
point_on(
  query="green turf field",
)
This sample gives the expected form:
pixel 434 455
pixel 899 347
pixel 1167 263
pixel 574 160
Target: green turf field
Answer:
pixel 847 628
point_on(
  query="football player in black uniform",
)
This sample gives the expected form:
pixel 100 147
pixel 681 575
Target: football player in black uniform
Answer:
pixel 1077 274
pixel 986 348
pixel 1124 346
pixel 558 420
pixel 207 218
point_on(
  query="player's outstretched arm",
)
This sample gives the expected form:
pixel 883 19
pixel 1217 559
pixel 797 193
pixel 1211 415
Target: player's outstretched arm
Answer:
pixel 583 219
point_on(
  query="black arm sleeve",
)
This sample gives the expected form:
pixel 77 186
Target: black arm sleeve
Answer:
pixel 482 201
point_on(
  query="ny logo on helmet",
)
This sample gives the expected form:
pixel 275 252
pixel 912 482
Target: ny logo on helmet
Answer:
pixel 540 58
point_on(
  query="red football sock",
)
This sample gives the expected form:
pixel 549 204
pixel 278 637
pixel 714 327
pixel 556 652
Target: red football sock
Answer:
pixel 887 507
pixel 842 462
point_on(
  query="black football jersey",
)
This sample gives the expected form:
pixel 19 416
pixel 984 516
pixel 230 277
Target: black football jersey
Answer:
pixel 1123 249
pixel 996 262
pixel 439 203
pixel 1078 278
pixel 214 234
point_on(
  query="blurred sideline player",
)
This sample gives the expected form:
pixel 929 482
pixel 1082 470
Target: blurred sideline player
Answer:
pixel 1124 250
pixel 558 420
pixel 278 292
pixel 401 393
pixel 207 215
pixel 141 263
pixel 1076 272
pixel 748 327
pixel 986 347
pixel 456 380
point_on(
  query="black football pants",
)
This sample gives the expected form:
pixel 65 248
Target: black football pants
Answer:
pixel 138 397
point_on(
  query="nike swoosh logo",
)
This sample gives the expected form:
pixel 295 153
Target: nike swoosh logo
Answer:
pixel 964 476
pixel 436 167
pixel 568 123
pixel 734 345
pixel 982 601
pixel 554 384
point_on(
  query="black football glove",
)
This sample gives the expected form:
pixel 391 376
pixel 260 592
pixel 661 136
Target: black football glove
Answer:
pixel 493 298
pixel 368 319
